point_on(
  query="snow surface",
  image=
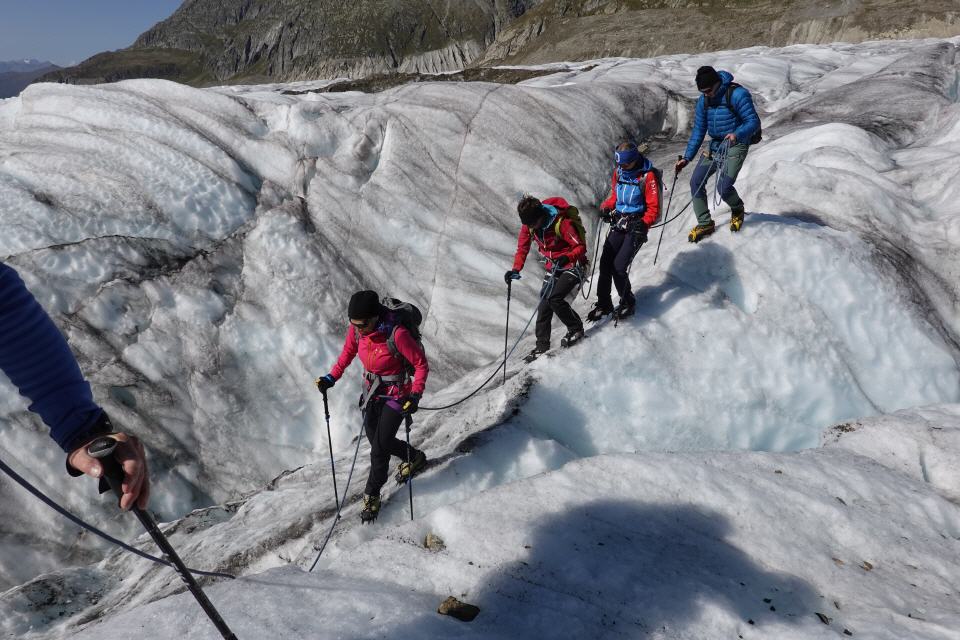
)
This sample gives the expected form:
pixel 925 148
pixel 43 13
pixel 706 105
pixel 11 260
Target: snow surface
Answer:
pixel 198 248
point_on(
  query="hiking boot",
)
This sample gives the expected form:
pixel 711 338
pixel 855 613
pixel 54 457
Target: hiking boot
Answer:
pixel 572 338
pixel 536 353
pixel 600 309
pixel 406 470
pixel 701 231
pixel 371 508
pixel 625 310
pixel 736 220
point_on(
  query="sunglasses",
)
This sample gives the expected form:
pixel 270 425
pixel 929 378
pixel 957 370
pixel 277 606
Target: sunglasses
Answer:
pixel 708 92
pixel 363 324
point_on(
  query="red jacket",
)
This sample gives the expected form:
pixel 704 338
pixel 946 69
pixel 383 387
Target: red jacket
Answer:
pixel 551 245
pixel 651 193
pixel 376 357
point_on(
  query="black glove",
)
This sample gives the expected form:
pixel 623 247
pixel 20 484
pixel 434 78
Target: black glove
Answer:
pixel 410 404
pixel 640 233
pixel 561 262
pixel 606 215
pixel 325 382
pixel 513 274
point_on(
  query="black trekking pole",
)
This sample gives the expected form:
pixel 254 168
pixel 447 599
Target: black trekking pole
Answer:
pixel 506 333
pixel 333 471
pixel 102 449
pixel 673 186
pixel 409 421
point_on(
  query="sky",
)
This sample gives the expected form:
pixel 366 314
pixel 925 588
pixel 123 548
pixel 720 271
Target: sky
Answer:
pixel 66 32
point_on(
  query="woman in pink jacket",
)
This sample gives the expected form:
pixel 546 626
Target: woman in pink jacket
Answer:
pixel 389 393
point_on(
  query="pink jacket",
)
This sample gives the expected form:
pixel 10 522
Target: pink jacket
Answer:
pixel 376 357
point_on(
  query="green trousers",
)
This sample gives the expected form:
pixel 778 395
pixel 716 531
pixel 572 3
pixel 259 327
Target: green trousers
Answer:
pixel 706 168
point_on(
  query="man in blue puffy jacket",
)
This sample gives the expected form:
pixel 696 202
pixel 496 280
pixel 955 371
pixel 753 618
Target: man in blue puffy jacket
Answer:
pixel 724 110
pixel 36 358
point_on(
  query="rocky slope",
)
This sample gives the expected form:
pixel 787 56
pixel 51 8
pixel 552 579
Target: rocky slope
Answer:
pixel 228 41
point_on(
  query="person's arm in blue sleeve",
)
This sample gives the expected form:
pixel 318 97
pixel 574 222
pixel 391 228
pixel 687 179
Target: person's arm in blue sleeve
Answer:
pixel 38 361
pixel 742 103
pixel 699 131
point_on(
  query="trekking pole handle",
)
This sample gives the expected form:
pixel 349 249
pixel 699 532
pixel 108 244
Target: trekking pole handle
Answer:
pixel 102 449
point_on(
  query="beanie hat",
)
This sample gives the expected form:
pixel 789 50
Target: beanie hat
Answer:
pixel 707 77
pixel 364 304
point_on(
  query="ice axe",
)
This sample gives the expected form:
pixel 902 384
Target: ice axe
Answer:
pixel 102 449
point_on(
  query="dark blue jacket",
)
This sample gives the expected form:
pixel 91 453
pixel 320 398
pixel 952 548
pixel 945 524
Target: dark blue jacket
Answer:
pixel 718 120
pixel 36 358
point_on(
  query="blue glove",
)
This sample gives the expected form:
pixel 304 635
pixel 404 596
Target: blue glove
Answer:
pixel 513 274
pixel 325 382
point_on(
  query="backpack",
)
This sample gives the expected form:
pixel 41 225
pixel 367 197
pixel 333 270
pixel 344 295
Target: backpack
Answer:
pixel 572 214
pixel 407 315
pixel 758 135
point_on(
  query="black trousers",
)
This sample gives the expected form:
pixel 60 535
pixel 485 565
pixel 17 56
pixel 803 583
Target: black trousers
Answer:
pixel 618 252
pixel 556 303
pixel 381 424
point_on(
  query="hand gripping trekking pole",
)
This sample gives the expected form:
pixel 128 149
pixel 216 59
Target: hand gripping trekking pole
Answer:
pixel 408 420
pixel 102 449
pixel 333 470
pixel 506 333
pixel 666 213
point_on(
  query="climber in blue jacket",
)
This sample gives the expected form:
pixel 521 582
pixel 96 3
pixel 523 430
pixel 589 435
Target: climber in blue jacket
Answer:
pixel 724 110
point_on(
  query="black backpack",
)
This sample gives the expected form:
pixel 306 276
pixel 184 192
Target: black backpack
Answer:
pixel 758 135
pixel 407 315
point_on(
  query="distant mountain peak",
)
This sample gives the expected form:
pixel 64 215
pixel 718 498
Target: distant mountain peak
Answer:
pixel 26 64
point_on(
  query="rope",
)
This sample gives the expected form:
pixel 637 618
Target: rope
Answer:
pixel 546 292
pixel 346 490
pixel 721 162
pixel 596 253
pixel 690 201
pixel 92 529
pixel 673 187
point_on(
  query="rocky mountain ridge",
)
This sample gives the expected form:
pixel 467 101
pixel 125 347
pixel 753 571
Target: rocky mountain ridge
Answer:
pixel 208 42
